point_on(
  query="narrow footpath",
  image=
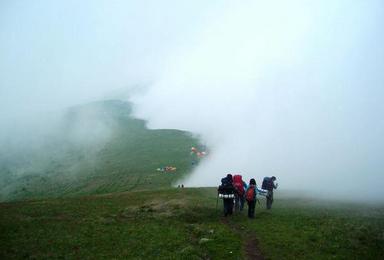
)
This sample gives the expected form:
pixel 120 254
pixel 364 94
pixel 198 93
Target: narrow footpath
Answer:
pixel 251 248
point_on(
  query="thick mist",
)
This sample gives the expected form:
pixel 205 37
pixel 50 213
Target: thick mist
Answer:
pixel 56 55
pixel 286 88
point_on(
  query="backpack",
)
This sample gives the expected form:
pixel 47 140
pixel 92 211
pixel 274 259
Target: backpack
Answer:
pixel 266 183
pixel 226 186
pixel 250 194
pixel 238 183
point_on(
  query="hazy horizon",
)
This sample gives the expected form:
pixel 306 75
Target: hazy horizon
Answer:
pixel 292 89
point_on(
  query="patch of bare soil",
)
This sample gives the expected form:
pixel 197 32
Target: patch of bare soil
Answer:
pixel 250 243
pixel 251 248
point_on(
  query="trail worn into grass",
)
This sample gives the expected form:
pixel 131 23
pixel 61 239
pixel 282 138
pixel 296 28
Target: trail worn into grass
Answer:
pixel 250 242
pixel 251 248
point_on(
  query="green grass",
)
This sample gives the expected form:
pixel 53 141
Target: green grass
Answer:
pixel 97 148
pixel 75 197
pixel 305 228
pixel 166 224
pixel 175 223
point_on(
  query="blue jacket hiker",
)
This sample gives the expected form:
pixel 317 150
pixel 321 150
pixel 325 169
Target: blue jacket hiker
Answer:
pixel 250 196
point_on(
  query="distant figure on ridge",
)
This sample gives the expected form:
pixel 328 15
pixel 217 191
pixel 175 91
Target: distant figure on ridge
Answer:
pixel 227 191
pixel 269 185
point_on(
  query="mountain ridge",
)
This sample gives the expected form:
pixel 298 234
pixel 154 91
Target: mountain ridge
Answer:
pixel 97 148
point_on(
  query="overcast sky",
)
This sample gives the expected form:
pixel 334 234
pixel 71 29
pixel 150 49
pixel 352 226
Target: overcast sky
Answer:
pixel 289 88
pixel 59 52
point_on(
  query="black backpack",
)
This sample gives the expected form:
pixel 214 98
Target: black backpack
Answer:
pixel 226 186
pixel 266 185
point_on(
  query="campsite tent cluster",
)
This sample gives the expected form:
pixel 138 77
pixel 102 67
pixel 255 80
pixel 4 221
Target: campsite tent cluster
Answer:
pixel 199 154
pixel 194 151
pixel 167 169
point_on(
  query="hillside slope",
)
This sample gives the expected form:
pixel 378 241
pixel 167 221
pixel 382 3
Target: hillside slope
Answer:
pixel 94 148
pixel 186 224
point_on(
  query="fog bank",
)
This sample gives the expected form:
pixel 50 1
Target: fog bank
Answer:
pixel 286 88
pixel 291 89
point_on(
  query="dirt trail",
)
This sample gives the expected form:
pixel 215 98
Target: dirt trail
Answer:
pixel 251 248
pixel 250 242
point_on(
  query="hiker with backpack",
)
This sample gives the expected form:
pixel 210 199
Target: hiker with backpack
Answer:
pixel 269 185
pixel 240 187
pixel 250 196
pixel 227 191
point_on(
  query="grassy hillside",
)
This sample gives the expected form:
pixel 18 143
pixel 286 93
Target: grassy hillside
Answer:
pixel 95 148
pixel 97 195
pixel 185 224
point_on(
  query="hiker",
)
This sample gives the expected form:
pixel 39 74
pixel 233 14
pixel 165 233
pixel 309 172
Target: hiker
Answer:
pixel 245 188
pixel 269 185
pixel 227 191
pixel 250 196
pixel 238 183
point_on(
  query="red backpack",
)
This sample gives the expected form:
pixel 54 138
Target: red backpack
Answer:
pixel 250 195
pixel 238 183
